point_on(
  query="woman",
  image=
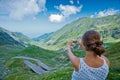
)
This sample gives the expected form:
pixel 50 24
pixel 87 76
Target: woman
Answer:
pixel 94 66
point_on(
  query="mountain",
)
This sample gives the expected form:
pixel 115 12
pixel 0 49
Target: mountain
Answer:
pixel 14 38
pixel 24 39
pixel 108 26
pixel 7 37
pixel 43 37
pixel 16 68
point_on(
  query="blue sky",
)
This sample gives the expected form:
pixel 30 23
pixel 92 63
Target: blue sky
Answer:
pixel 36 17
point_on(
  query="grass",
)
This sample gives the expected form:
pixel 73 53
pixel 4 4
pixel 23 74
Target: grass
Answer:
pixel 15 66
pixel 63 72
pixel 113 53
pixel 35 52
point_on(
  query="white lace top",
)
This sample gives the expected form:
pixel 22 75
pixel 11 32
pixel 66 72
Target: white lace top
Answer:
pixel 89 73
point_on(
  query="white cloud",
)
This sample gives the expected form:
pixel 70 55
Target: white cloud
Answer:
pixel 68 10
pixel 71 2
pixel 18 9
pixel 105 13
pixel 56 18
pixel 65 12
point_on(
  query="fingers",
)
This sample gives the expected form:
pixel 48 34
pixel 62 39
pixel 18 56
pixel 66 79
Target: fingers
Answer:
pixel 78 42
pixel 70 43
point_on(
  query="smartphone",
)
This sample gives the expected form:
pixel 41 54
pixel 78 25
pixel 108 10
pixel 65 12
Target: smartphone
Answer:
pixel 75 41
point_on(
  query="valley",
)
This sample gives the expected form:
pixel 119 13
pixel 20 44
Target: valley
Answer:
pixel 21 57
pixel 108 26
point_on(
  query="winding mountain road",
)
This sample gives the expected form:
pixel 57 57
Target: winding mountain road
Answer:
pixel 40 68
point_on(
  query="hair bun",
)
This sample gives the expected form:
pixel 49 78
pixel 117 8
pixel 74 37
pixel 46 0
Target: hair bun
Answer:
pixel 99 43
pixel 99 49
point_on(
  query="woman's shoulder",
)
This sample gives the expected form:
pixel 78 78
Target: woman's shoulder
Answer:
pixel 106 59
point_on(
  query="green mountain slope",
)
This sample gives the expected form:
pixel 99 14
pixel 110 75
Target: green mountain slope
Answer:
pixel 108 26
pixel 7 37
pixel 24 39
pixel 10 66
pixel 14 38
pixel 62 72
pixel 43 37
pixel 113 54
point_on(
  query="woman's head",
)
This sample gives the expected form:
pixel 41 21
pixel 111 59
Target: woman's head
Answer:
pixel 91 41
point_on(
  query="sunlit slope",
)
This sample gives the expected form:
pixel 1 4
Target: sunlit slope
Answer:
pixel 113 53
pixel 108 26
pixel 10 66
pixel 14 38
pixel 64 72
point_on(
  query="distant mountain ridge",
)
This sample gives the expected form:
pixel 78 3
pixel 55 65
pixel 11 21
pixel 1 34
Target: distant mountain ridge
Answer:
pixel 43 37
pixel 14 38
pixel 108 26
pixel 7 37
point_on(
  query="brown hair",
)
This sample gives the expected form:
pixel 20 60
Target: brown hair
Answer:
pixel 91 41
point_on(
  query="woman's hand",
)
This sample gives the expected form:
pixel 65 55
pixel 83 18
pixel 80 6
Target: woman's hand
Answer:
pixel 78 42
pixel 70 43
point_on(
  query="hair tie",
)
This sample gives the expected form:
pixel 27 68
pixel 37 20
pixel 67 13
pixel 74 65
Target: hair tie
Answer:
pixel 99 43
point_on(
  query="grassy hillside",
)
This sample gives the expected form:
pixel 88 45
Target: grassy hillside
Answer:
pixel 113 53
pixel 11 67
pixel 64 72
pixel 43 37
pixel 15 38
pixel 7 37
pixel 25 40
pixel 17 70
pixel 108 26
pixel 8 51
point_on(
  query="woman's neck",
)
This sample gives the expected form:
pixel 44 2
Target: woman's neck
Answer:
pixel 90 55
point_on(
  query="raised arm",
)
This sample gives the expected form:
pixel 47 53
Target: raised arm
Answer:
pixel 74 60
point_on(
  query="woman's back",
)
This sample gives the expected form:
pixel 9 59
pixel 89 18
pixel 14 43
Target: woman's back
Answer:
pixel 94 66
pixel 86 72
